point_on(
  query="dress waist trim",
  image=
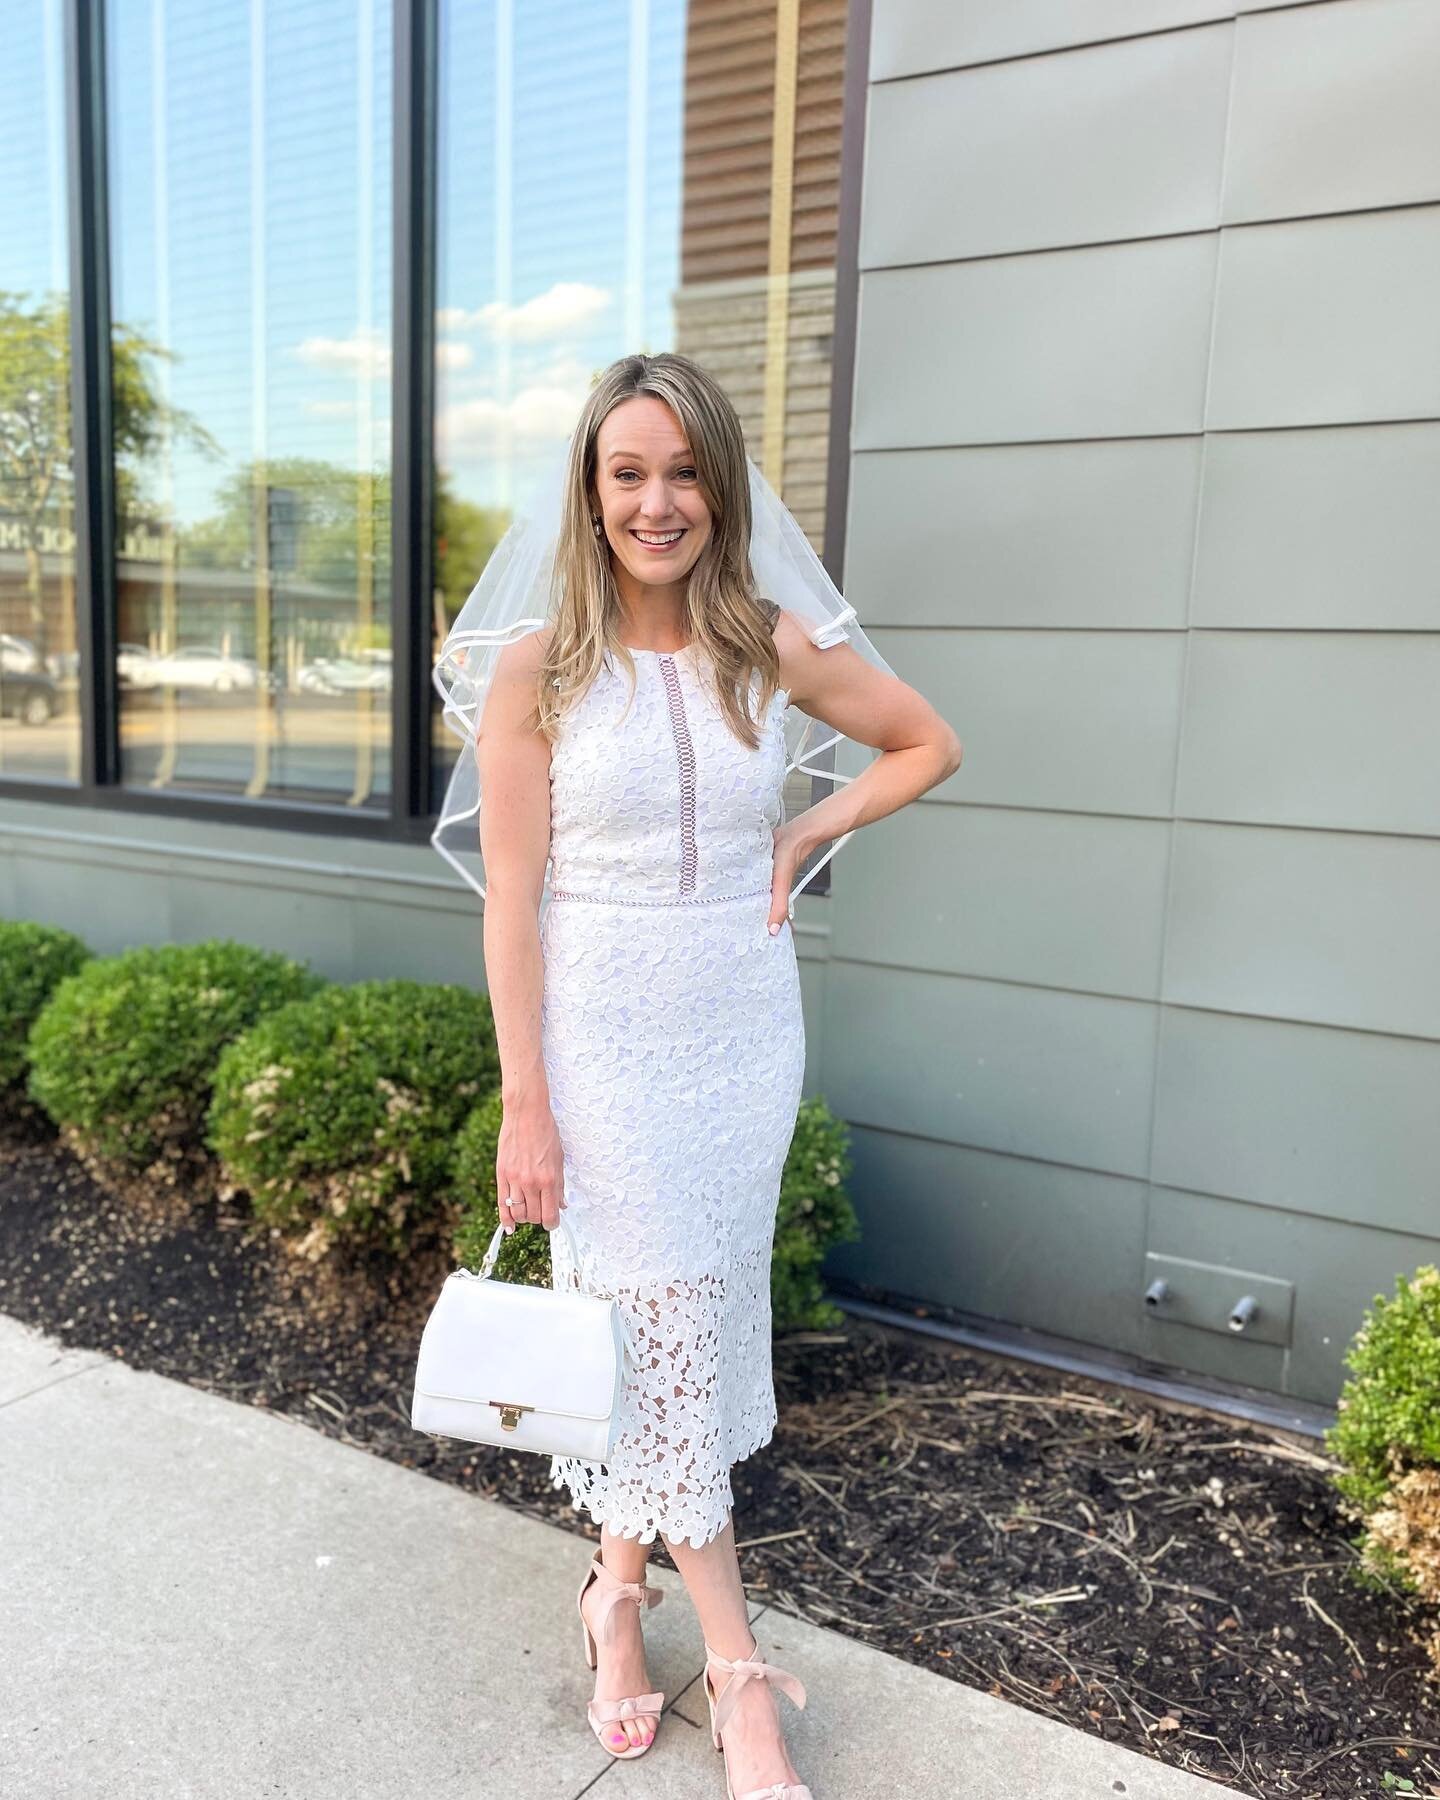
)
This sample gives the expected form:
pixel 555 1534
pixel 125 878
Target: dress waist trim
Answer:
pixel 675 900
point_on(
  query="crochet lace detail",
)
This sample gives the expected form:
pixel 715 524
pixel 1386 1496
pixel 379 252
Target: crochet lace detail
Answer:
pixel 674 1050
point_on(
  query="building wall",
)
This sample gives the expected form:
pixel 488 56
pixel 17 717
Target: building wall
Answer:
pixel 1146 438
pixel 1145 457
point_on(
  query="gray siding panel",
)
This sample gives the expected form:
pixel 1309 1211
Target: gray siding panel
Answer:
pixel 1335 928
pixel 1313 728
pixel 1031 1243
pixel 1334 108
pixel 1119 142
pixel 970 890
pixel 1306 1120
pixel 1086 720
pixel 1332 528
pixel 942 34
pixel 1026 534
pixel 1328 320
pixel 1028 1071
pixel 1109 342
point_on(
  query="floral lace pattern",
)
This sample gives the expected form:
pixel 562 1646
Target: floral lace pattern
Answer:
pixel 674 1048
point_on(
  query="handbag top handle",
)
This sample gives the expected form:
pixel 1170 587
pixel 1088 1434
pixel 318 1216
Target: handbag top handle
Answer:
pixel 577 1265
pixel 577 1261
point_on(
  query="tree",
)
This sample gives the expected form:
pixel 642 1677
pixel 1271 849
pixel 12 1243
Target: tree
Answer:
pixel 37 451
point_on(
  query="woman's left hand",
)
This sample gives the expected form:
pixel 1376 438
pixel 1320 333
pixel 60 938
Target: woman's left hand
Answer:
pixel 791 849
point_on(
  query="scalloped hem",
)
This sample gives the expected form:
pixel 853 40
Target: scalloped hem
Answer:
pixel 650 1528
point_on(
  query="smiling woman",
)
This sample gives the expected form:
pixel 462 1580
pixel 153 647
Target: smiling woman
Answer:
pixel 625 681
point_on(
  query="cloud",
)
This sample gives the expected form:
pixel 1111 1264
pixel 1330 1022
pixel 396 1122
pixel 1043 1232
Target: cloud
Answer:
pixel 564 307
pixel 540 414
pixel 365 353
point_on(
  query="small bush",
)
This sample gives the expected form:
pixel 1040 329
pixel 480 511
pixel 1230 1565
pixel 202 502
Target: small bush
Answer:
pixel 124 1054
pixel 34 960
pixel 1389 1412
pixel 338 1115
pixel 814 1213
pixel 1387 1438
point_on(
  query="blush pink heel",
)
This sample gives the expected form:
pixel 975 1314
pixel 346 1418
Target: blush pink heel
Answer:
pixel 603 1713
pixel 752 1668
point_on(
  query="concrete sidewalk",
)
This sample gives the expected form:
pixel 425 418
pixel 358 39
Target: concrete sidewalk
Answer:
pixel 200 1599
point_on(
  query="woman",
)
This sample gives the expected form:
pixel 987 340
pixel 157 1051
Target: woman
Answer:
pixel 649 1022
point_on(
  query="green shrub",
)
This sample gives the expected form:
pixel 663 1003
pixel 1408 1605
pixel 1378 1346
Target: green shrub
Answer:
pixel 1389 1412
pixel 814 1213
pixel 34 960
pixel 338 1115
pixel 1387 1439
pixel 125 1052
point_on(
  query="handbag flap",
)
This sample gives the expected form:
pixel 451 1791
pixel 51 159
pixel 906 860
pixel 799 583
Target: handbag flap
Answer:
pixel 547 1348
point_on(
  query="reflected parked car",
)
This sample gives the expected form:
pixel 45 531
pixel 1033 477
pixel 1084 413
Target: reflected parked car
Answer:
pixel 128 659
pixel 197 666
pixel 18 655
pixel 345 675
pixel 29 696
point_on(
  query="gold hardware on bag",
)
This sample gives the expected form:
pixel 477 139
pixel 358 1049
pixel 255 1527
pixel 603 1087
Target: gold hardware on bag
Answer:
pixel 510 1413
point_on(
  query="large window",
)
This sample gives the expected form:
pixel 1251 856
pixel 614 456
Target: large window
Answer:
pixel 39 717
pixel 344 272
pixel 250 215
pixel 638 175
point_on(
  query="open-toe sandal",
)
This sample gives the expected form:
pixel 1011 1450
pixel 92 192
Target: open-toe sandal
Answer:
pixel 605 1714
pixel 722 1704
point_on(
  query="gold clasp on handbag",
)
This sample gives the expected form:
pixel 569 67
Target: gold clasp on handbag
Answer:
pixel 510 1413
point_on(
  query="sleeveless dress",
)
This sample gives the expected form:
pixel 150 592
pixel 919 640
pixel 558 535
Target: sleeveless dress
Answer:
pixel 674 1049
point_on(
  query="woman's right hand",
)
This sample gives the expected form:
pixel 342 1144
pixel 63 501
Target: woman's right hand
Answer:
pixel 529 1167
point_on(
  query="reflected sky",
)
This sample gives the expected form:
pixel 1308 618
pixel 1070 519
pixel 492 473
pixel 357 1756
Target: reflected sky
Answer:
pixel 251 213
pixel 250 184
pixel 560 154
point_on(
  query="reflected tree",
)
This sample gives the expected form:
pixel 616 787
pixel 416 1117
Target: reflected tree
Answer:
pixel 37 451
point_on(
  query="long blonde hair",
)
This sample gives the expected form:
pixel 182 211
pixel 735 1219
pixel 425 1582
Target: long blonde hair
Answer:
pixel 726 619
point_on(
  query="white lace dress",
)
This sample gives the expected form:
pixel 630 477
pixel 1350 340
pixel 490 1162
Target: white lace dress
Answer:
pixel 674 1048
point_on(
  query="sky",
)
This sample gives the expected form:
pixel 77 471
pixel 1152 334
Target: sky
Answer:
pixel 250 216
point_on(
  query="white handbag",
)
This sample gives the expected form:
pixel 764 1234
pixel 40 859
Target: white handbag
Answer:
pixel 533 1368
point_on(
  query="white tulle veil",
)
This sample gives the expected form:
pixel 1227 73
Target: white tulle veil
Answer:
pixel 514 596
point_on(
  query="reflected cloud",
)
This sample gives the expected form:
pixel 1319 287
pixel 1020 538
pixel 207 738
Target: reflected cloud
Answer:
pixel 539 414
pixel 365 352
pixel 565 307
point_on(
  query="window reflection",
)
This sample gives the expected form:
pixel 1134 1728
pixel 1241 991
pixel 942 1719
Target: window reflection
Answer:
pixel 39 665
pixel 250 213
pixel 652 176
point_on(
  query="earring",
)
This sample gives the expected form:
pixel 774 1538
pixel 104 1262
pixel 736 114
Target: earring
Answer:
pixel 598 526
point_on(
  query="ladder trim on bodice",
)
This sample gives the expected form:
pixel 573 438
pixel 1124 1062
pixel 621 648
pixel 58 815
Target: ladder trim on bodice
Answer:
pixel 685 755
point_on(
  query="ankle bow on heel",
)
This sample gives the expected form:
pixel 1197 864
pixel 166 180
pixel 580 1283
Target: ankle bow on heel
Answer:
pixel 741 1670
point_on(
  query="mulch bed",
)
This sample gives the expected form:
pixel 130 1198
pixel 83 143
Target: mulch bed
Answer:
pixel 1164 1578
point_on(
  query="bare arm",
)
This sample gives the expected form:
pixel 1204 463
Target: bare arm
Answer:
pixel 515 844
pixel 919 748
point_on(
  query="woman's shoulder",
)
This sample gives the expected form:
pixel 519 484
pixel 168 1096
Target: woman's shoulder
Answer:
pixel 524 655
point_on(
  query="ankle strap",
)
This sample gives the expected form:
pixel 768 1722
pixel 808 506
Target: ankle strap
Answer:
pixel 614 1591
pixel 750 1668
